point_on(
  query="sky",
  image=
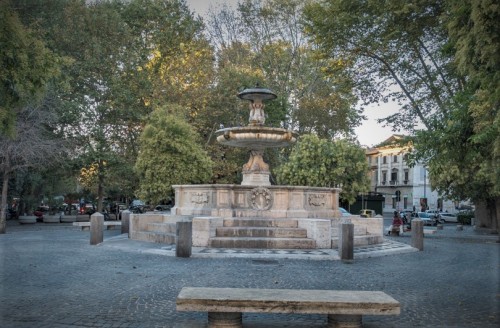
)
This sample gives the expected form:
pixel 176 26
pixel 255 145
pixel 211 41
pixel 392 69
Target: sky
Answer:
pixel 369 133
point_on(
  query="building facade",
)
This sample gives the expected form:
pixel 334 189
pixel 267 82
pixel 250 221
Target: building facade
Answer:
pixel 403 187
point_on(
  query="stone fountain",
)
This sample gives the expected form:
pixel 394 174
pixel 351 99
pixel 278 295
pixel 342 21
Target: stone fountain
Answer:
pixel 256 214
pixel 256 137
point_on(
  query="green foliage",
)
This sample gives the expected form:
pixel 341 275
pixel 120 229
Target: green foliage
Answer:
pixel 473 28
pixel 465 217
pixel 262 42
pixel 392 50
pixel 322 163
pixel 26 67
pixel 170 154
pixel 462 146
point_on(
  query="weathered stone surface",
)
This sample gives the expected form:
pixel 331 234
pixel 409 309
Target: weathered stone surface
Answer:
pixel 286 301
pixel 126 222
pixel 346 241
pixel 27 219
pixel 205 228
pixel 261 232
pixel 417 234
pixel 96 228
pixel 253 201
pixel 184 233
pixel 52 218
pixel 68 218
pixel 262 242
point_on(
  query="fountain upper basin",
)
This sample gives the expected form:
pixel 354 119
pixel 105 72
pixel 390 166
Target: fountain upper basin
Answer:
pixel 256 137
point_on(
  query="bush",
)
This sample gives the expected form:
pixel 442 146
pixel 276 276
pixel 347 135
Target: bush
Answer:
pixel 465 217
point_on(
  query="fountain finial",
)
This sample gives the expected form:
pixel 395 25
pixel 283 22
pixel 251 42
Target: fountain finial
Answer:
pixel 256 96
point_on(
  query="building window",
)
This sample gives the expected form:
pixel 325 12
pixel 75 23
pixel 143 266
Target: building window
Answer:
pixel 384 160
pixel 407 176
pixel 394 176
pixel 384 177
pixel 395 159
pixel 422 173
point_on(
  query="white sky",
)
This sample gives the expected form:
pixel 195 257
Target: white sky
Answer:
pixel 369 133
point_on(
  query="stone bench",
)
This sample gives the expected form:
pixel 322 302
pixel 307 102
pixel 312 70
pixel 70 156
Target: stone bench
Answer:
pixel 344 308
pixel 108 224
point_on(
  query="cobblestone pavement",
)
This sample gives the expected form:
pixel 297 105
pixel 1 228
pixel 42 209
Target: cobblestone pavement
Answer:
pixel 50 276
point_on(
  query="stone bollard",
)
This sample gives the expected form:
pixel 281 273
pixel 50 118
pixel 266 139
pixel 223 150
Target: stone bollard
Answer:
pixel 346 240
pixel 417 234
pixel 126 222
pixel 96 228
pixel 184 238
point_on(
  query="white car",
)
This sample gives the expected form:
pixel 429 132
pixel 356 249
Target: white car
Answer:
pixel 427 218
pixel 448 217
pixel 434 213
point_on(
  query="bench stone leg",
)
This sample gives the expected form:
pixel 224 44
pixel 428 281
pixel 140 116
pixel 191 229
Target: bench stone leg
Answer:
pixel 224 320
pixel 344 321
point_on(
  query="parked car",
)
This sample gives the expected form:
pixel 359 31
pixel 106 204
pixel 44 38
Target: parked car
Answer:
pixel 73 208
pixel 427 218
pixel 448 217
pixel 366 213
pixel 344 212
pixel 162 208
pixel 137 206
pixel 89 209
pixel 117 208
pixel 434 213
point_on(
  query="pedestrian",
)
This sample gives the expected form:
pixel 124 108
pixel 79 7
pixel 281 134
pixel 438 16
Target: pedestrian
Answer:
pixel 397 224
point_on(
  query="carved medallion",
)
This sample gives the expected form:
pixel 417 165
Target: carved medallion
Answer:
pixel 260 199
pixel 317 200
pixel 199 197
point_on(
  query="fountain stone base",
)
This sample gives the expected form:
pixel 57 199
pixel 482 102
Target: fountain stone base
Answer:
pixel 228 200
pixel 256 179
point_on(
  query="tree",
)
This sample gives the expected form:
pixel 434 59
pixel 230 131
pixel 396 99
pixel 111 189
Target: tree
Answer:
pixel 463 147
pixel 34 146
pixel 170 154
pixel 322 163
pixel 263 40
pixel 26 67
pixel 391 51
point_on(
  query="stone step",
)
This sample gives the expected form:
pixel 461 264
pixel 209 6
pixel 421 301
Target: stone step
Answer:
pixel 161 227
pixel 269 243
pixel 259 222
pixel 155 237
pixel 261 232
pixel 361 240
pixel 358 230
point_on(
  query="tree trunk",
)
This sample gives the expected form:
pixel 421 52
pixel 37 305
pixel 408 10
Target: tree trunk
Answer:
pixel 487 214
pixel 3 204
pixel 100 187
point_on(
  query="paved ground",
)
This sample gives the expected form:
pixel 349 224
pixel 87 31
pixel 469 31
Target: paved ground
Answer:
pixel 50 276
